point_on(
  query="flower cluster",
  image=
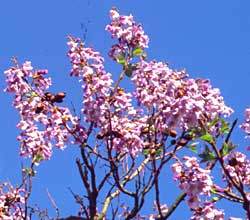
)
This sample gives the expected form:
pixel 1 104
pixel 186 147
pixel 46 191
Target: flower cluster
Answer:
pixel 193 180
pixel 11 202
pixel 246 125
pixel 208 212
pixel 126 123
pixel 127 134
pixel 167 101
pixel 87 64
pixel 42 124
pixel 238 167
pixel 130 35
pixel 108 109
pixel 181 101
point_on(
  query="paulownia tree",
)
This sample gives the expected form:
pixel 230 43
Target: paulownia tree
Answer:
pixel 128 137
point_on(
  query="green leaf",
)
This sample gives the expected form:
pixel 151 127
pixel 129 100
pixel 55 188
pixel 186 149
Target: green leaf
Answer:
pixel 227 148
pixel 146 152
pixel 30 94
pixel 37 158
pixel 33 94
pixel 213 122
pixel 213 190
pixel 193 133
pixel 224 127
pixel 215 198
pixel 158 152
pixel 137 51
pixel 29 171
pixel 207 155
pixel 193 146
pixel 207 137
pixel 121 60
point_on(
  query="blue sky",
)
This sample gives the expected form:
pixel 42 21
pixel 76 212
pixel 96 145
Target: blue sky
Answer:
pixel 210 39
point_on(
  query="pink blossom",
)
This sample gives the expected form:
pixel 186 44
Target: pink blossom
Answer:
pixel 207 212
pixel 42 124
pixel 105 109
pixel 246 125
pixel 88 66
pixel 181 101
pixel 238 167
pixel 11 202
pixel 130 35
pixel 193 180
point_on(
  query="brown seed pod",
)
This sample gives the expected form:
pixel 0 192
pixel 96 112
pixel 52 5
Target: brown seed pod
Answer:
pixel 233 162
pixel 39 108
pixel 52 99
pixel 182 142
pixel 145 130
pixel 172 133
pixel 58 97
pixel 61 95
pixel 117 134
pixel 48 96
pixel 180 93
pixel 120 91
pixel 100 136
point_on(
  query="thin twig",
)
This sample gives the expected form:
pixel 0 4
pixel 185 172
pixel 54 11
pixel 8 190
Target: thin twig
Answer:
pixel 51 199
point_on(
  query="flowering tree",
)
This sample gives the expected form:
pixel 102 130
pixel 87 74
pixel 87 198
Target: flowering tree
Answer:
pixel 126 139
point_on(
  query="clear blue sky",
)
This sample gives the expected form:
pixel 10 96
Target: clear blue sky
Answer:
pixel 210 38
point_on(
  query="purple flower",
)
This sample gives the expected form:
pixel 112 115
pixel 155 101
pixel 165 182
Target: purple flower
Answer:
pixel 246 125
pixel 208 212
pixel 12 202
pixel 238 167
pixel 192 179
pixel 181 101
pixel 42 124
pixel 130 35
